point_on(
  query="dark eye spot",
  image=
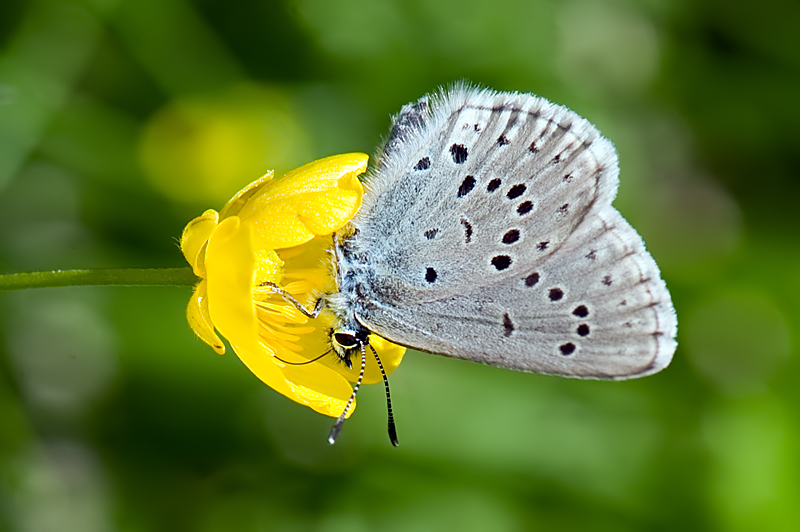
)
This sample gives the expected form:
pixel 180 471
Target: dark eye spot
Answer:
pixel 568 178
pixel 607 280
pixel 516 191
pixel 583 329
pixel 466 186
pixel 533 148
pixel 567 349
pixel 581 311
pixel 511 236
pixel 541 246
pixel 430 233
pixel 556 159
pixel 494 184
pixel 502 140
pixel 532 279
pixel 459 153
pixel 563 209
pixel 501 262
pixel 524 208
pixel 508 325
pixel 348 341
pixel 423 164
pixel 556 294
pixel 430 275
pixel 592 254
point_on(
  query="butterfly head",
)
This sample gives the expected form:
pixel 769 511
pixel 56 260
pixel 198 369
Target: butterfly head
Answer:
pixel 347 341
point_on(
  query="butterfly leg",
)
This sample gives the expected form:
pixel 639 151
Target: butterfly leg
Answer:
pixel 299 306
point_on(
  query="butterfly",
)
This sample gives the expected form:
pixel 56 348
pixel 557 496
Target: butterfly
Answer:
pixel 487 234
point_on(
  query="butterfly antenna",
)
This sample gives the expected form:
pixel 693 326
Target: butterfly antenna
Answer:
pixel 337 427
pixel 392 428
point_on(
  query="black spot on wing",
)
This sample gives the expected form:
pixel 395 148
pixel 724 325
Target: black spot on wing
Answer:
pixel 511 236
pixel 466 186
pixel 459 153
pixel 516 191
pixel 555 294
pixel 581 311
pixel 501 262
pixel 493 185
pixel 430 275
pixel 508 325
pixel 524 208
pixel 532 279
pixel 423 164
pixel 467 230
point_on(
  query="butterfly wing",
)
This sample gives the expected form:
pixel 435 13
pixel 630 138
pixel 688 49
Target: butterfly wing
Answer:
pixel 487 233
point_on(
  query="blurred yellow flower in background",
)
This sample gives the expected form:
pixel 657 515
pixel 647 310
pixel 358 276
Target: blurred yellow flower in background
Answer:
pixel 279 231
pixel 199 148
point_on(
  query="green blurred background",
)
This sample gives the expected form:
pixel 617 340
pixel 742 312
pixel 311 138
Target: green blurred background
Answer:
pixel 120 120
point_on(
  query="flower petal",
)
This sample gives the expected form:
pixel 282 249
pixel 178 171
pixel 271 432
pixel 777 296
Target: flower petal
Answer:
pixel 268 267
pixel 236 203
pixel 316 199
pixel 194 238
pixel 230 264
pixel 321 388
pixel 199 318
pixel 391 355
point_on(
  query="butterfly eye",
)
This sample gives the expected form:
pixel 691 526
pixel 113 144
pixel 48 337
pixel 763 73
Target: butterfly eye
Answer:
pixel 345 340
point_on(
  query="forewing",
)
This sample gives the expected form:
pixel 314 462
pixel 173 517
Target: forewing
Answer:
pixel 487 183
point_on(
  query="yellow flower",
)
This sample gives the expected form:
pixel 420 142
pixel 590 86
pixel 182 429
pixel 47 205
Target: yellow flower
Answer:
pixel 279 231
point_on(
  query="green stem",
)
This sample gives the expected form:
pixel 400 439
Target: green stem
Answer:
pixel 110 277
